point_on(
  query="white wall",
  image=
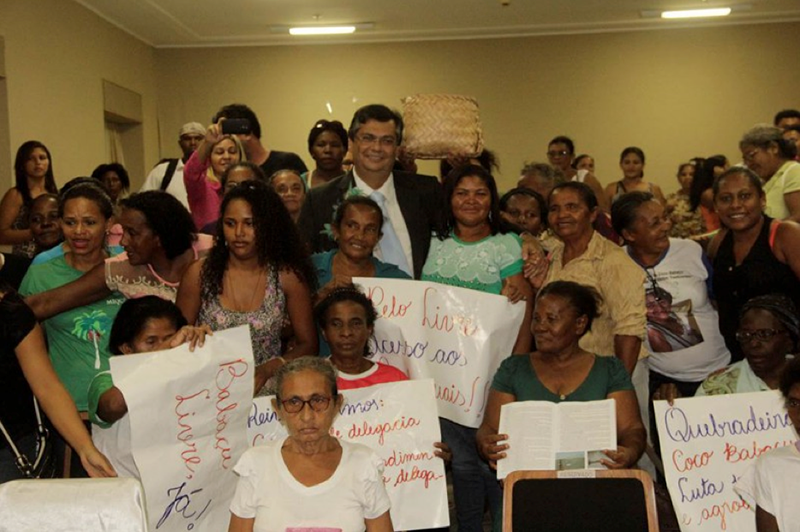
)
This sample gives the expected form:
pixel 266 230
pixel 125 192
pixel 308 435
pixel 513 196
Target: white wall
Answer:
pixel 57 55
pixel 677 93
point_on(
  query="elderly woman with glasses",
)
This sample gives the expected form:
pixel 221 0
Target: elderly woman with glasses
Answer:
pixel 768 331
pixel 768 154
pixel 310 480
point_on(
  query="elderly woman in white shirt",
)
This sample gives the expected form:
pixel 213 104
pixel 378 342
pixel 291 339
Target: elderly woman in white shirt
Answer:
pixel 310 480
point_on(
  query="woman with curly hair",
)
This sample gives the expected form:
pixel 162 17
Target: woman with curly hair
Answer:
pixel 159 242
pixel 257 273
pixel 33 172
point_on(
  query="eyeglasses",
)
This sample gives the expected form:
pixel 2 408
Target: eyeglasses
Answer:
pixel 760 334
pixel 749 156
pixel 557 153
pixel 318 403
pixel 386 142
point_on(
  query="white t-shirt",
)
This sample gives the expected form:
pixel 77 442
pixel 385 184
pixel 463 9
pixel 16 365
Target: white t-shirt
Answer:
pixel 268 492
pixel 785 181
pixel 689 346
pixel 581 175
pixel 176 186
pixel 776 485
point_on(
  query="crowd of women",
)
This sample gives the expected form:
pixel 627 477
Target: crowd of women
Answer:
pixel 628 294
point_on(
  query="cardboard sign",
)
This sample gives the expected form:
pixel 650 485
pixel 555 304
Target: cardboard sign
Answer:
pixel 188 414
pixel 707 443
pixel 456 336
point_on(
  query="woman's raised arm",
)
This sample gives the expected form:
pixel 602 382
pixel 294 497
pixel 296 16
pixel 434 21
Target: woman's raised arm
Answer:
pixel 87 289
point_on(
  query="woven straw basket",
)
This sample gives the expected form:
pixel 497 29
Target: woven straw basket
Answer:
pixel 438 125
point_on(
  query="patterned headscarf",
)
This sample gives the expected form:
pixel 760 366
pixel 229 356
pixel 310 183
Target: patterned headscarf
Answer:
pixel 779 306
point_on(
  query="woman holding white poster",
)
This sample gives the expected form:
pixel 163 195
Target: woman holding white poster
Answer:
pixel 470 252
pixel 559 370
pixel 142 325
pixel 310 480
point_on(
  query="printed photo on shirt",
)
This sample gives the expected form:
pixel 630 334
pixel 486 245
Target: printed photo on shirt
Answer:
pixel 670 326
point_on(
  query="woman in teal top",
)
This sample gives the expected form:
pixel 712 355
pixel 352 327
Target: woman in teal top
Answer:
pixel 470 252
pixel 559 370
pixel 356 228
pixel 78 338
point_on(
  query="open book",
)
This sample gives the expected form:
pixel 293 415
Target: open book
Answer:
pixel 556 436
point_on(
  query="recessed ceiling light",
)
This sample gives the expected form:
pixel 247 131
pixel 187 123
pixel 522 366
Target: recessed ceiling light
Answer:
pixel 322 30
pixel 697 13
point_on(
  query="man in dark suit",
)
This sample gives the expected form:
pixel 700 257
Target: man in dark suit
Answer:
pixel 411 202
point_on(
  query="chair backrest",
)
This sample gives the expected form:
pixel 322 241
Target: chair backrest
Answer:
pixel 585 500
pixel 72 504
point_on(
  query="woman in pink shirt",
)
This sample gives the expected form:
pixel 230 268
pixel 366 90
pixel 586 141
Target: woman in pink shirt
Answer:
pixel 204 169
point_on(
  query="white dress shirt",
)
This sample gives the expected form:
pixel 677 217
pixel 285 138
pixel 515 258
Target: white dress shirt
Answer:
pixel 395 215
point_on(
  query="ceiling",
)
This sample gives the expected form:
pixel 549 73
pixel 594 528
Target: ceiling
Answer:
pixel 184 23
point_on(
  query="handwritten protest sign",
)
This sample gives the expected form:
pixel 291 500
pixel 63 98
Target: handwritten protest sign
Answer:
pixel 188 414
pixel 399 422
pixel 456 336
pixel 707 443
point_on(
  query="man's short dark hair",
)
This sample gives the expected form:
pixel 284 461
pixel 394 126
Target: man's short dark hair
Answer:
pixel 377 112
pixel 786 113
pixel 239 110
